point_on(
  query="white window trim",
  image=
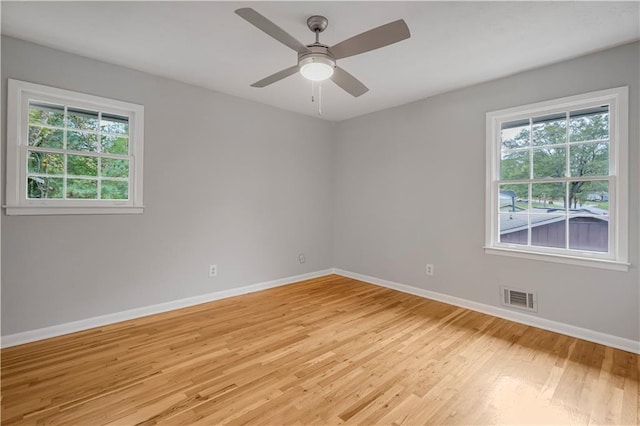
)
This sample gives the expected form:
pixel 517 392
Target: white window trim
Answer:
pixel 617 259
pixel 19 93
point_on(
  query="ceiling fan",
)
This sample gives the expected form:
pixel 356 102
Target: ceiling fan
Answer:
pixel 317 61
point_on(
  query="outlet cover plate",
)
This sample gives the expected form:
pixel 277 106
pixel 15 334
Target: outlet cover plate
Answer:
pixel 429 269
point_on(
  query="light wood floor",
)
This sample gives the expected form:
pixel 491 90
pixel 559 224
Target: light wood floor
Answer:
pixel 326 351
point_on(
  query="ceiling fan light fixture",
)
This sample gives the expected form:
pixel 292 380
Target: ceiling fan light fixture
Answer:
pixel 317 61
pixel 316 68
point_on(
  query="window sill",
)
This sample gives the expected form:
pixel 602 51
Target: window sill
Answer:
pixel 34 211
pixel 558 258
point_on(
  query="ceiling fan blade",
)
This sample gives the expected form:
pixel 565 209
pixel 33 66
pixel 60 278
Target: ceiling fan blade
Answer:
pixel 348 82
pixel 376 38
pixel 271 29
pixel 276 77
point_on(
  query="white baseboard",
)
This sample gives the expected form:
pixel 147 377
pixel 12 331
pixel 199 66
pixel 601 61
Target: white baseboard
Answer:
pixel 99 321
pixel 558 327
pixel 102 320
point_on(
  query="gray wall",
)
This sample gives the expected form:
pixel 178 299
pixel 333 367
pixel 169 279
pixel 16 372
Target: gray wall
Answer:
pixel 226 181
pixel 248 187
pixel 410 185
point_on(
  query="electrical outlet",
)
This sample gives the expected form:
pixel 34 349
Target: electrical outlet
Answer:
pixel 301 258
pixel 213 270
pixel 429 269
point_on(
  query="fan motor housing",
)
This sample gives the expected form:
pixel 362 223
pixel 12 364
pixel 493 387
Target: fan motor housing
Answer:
pixel 318 53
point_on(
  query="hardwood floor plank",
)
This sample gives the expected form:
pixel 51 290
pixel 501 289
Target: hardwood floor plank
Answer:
pixel 331 350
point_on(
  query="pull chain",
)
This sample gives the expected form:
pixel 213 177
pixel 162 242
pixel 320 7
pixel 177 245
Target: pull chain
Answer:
pixel 319 98
pixel 313 97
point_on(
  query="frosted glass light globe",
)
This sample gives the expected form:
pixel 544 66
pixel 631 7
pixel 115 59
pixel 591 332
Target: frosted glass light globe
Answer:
pixel 316 68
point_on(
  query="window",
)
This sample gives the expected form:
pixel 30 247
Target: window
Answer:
pixel 71 153
pixel 557 180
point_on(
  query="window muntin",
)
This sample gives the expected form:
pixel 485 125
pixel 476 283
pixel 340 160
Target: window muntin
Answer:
pixel 72 151
pixel 553 154
pixel 554 179
pixel 65 160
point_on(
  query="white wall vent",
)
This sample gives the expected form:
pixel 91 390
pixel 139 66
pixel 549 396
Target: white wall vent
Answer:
pixel 519 299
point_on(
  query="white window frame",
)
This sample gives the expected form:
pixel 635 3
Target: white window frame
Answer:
pixel 17 203
pixel 617 257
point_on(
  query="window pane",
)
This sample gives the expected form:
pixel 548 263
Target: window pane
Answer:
pixel 114 124
pixel 549 162
pixel 514 228
pixel 515 134
pixel 51 115
pixel 82 119
pixel 589 124
pixel 82 141
pixel 548 230
pixel 549 130
pixel 82 166
pixel 44 187
pixel 112 167
pixel 548 197
pixel 82 188
pixel 45 137
pixel 590 196
pixel 514 197
pixel 589 233
pixel 514 165
pixel 591 159
pixel 115 190
pixel 45 163
pixel 115 144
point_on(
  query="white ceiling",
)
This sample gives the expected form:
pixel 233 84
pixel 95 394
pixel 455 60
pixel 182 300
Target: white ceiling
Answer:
pixel 452 44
